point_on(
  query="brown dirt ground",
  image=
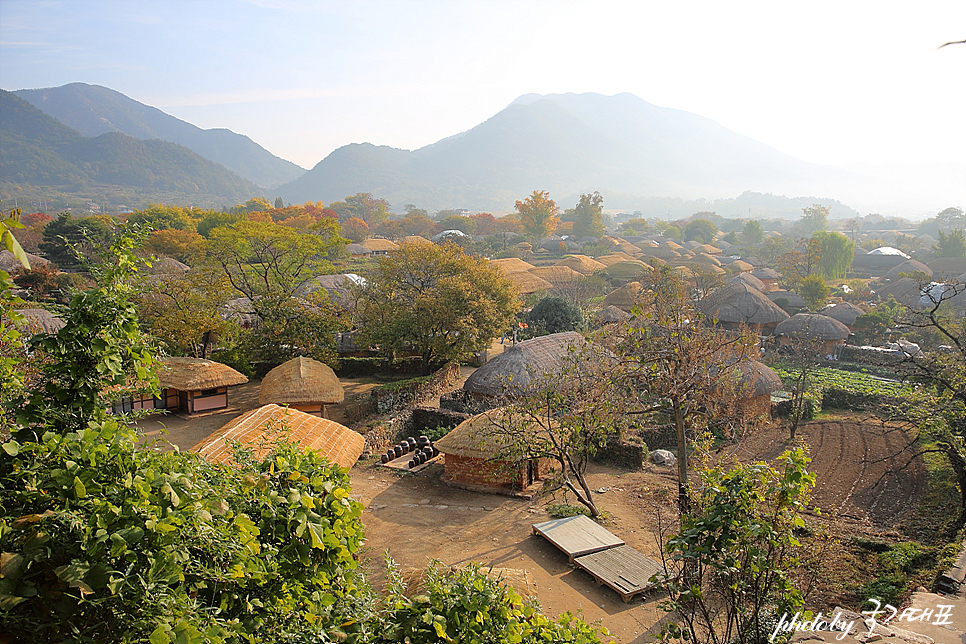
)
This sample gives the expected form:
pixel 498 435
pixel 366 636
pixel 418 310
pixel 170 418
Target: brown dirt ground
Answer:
pixel 416 517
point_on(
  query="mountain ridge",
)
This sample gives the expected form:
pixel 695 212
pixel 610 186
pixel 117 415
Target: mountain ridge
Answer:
pixel 93 110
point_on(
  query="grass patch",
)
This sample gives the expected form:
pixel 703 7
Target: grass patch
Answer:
pixel 564 510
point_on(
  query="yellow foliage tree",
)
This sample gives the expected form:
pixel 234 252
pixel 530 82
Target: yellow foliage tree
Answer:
pixel 538 214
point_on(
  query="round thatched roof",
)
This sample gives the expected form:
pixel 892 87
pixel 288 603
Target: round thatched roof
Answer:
pixel 301 381
pixel 740 303
pixel 740 266
pixel 513 371
pixel 759 379
pixel 766 274
pixel 908 266
pixel 748 279
pixel 795 300
pixel 556 274
pixel 844 312
pixel 41 320
pixel 661 252
pixel 239 309
pixel 416 239
pixel 511 264
pixel 711 250
pixel 613 258
pixel 257 430
pixel 526 282
pixel 610 314
pixel 337 286
pixel 812 326
pixel 705 258
pixel 905 291
pixel 476 438
pixel 167 266
pixel 627 270
pixel 194 374
pixel 582 264
pixel 625 297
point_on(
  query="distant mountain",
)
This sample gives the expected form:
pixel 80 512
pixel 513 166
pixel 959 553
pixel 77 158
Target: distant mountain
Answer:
pixel 568 144
pixel 93 110
pixel 37 150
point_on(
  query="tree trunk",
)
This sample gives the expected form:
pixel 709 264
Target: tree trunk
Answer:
pixel 684 502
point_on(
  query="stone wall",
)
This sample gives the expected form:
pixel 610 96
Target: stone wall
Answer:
pixel 394 397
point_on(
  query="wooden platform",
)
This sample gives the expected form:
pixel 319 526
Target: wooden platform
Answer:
pixel 623 569
pixel 577 536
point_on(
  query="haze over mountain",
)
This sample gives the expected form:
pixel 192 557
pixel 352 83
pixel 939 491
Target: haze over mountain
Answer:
pixel 38 150
pixel 93 110
pixel 568 144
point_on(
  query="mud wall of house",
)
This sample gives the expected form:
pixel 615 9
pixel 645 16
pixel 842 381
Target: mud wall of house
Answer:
pixel 478 471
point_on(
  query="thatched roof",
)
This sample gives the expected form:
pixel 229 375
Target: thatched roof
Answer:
pixel 627 270
pixel 526 282
pixel 759 379
pixel 582 264
pixel 844 312
pixel 475 438
pixel 239 309
pixel 905 291
pixel 740 266
pixel 556 274
pixel 611 314
pixel 908 266
pixel 613 258
pixel 948 265
pixel 357 249
pixel 795 301
pixel 257 429
pixel 167 266
pixel 513 371
pixel 379 245
pixel 511 264
pixel 748 279
pixel 10 264
pixel 41 320
pixel 625 297
pixel 662 252
pixel 670 243
pixel 416 239
pixel 194 374
pixel 339 287
pixel 299 381
pixel 711 250
pixel 812 326
pixel 766 274
pixel 704 258
pixel 741 303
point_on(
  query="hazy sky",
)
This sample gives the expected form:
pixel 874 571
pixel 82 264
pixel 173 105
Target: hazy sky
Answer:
pixel 829 82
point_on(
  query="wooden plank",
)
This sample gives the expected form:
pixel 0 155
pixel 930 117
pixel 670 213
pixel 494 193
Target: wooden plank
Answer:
pixel 623 569
pixel 578 535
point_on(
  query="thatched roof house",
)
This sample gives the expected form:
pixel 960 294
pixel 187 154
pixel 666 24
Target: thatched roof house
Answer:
pixel 948 265
pixel 769 276
pixel 527 283
pixel 192 385
pixel 758 382
pixel 556 274
pixel 909 266
pixel 339 287
pixel 167 266
pixel 41 321
pixel 824 332
pixel 416 239
pixel 739 303
pixel 611 314
pixel 472 460
pixel 582 264
pixel 788 300
pixel 632 269
pixel 905 290
pixel 740 266
pixel 10 264
pixel 748 279
pixel 512 372
pixel 844 312
pixel 379 246
pixel 613 258
pixel 241 311
pixel 511 264
pixel 257 429
pixel 625 297
pixel 303 384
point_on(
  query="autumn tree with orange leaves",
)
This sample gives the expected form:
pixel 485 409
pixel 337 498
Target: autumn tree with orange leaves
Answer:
pixel 538 214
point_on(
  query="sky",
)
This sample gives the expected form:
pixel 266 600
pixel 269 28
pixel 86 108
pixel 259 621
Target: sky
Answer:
pixel 840 82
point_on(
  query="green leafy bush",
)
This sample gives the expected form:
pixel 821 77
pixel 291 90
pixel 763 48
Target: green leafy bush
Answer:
pixel 563 510
pixel 888 589
pixel 469 606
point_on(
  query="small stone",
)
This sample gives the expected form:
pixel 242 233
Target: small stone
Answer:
pixel 601 490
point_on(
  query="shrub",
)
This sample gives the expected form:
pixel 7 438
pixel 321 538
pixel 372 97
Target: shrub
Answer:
pixel 888 589
pixel 563 510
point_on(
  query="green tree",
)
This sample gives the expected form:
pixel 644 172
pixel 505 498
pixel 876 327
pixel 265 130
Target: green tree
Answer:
pixel 279 203
pixel 538 214
pixel 588 216
pixel 257 204
pixel 555 315
pixel 951 219
pixel 837 252
pixel 800 263
pixel 458 222
pixel 266 263
pixel 951 245
pixel 700 230
pixel 214 219
pixel 752 232
pixel 815 291
pixel 364 206
pixel 435 301
pixel 160 217
pixel 68 242
pixel 814 218
pixel 737 552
